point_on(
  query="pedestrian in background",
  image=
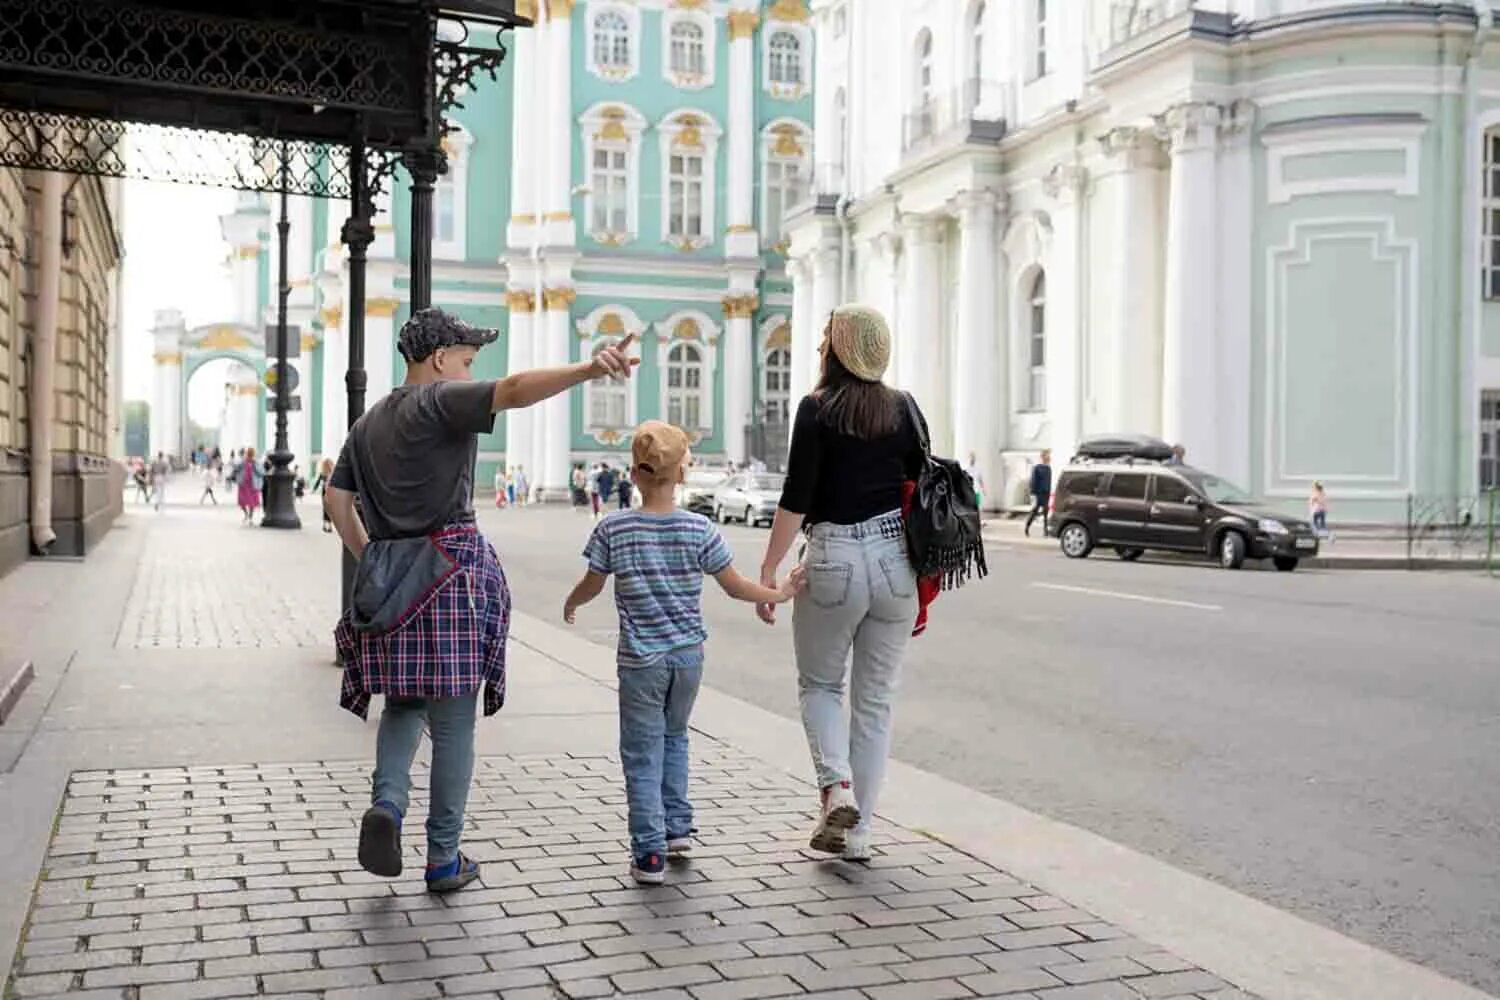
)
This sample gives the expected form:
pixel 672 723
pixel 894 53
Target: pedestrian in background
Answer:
pixel 523 486
pixel 972 471
pixel 320 487
pixel 659 556
pixel 625 492
pixel 502 487
pixel 431 608
pixel 580 483
pixel 855 445
pixel 160 469
pixel 249 479
pixel 142 479
pixel 210 480
pixel 1041 491
pixel 1179 455
pixel 594 475
pixel 1317 506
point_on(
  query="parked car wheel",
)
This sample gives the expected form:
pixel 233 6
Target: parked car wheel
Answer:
pixel 1231 550
pixel 1285 563
pixel 750 521
pixel 1075 540
pixel 1128 554
pixel 719 515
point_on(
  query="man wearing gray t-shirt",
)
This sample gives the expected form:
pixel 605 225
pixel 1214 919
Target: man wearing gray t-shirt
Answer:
pixel 430 608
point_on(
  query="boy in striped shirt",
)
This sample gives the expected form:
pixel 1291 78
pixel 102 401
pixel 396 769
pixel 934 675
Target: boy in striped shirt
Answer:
pixel 658 556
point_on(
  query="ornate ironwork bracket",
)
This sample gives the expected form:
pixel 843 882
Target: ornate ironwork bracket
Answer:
pixel 456 64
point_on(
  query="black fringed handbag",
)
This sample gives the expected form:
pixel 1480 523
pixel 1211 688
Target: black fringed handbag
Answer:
pixel 943 536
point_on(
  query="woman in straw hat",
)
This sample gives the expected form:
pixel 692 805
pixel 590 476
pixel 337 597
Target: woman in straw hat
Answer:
pixel 854 445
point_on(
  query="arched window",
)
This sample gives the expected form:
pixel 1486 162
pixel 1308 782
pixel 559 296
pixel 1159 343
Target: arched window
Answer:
pixel 687 50
pixel 976 48
pixel 925 81
pixel 786 58
pixel 450 198
pixel 609 400
pixel 776 385
pixel 1036 343
pixel 784 172
pixel 685 382
pixel 612 41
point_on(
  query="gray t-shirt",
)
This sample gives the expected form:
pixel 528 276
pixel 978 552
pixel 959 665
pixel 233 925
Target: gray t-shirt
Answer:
pixel 411 457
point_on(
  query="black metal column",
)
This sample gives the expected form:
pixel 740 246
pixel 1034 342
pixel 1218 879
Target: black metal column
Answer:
pixel 358 233
pixel 281 483
pixel 424 165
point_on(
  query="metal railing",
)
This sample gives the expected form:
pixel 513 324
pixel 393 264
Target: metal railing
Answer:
pixel 956 111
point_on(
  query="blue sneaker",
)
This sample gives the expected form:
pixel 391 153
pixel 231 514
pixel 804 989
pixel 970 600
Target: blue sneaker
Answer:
pixel 649 869
pixel 380 840
pixel 453 876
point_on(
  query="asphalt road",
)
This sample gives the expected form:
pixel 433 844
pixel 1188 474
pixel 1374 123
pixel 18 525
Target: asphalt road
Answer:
pixel 1328 742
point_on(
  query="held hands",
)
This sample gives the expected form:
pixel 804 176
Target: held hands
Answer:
pixel 793 584
pixel 787 589
pixel 614 362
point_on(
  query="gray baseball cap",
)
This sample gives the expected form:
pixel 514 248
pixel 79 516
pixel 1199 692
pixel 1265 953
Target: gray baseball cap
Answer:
pixel 432 328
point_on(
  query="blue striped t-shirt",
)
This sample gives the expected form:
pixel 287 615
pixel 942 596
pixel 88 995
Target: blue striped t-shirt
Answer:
pixel 658 562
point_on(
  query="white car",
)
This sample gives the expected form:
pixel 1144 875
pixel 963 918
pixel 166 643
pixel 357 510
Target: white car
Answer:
pixel 696 493
pixel 750 497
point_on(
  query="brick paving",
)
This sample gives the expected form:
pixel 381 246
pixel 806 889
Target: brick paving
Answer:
pixel 205 582
pixel 240 880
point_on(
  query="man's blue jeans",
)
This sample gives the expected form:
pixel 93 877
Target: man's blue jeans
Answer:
pixel 655 703
pixel 451 721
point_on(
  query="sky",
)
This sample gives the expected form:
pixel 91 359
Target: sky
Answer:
pixel 174 259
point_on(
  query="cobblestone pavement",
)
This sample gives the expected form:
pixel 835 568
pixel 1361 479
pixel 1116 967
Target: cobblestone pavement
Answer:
pixel 205 582
pixel 241 880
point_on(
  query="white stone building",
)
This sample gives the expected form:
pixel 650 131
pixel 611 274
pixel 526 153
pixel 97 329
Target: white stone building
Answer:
pixel 1255 227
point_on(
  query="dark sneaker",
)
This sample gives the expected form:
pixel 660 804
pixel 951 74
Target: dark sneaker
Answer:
pixel 679 847
pixel 649 869
pixel 380 840
pixel 453 876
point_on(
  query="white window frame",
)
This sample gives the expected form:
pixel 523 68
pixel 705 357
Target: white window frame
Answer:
pixel 668 336
pixel 787 90
pixel 632 17
pixel 693 132
pixel 977 17
pixel 608 324
pixel 1036 374
pixel 705 23
pixel 775 140
pixel 924 71
pixel 1489 258
pixel 603 124
pixel 1039 19
pixel 454 184
pixel 769 329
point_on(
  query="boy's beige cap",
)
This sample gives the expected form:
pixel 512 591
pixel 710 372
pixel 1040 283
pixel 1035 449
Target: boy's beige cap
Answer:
pixel 658 449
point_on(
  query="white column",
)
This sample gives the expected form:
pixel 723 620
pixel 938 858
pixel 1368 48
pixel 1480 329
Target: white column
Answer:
pixel 1189 365
pixel 335 393
pixel 519 358
pixel 825 299
pixel 886 295
pixel 916 334
pixel 552 474
pixel 380 348
pixel 299 424
pixel 1133 367
pixel 739 372
pixel 1235 279
pixel 978 396
pixel 1066 186
pixel 524 135
pixel 741 240
pixel 560 128
pixel 800 270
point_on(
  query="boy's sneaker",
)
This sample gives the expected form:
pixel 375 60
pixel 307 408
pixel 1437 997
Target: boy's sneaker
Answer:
pixel 453 876
pixel 380 840
pixel 649 869
pixel 840 814
pixel 857 846
pixel 679 847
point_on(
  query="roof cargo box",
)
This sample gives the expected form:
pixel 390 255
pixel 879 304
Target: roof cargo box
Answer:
pixel 1117 446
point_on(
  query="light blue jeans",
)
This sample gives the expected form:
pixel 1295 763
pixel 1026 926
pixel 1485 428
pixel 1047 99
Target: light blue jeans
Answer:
pixel 861 599
pixel 655 703
pixel 451 722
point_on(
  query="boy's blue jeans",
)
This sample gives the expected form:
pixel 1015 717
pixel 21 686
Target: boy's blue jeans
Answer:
pixel 451 721
pixel 655 703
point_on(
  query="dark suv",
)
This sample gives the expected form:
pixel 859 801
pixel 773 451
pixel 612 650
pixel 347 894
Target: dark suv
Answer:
pixel 1134 505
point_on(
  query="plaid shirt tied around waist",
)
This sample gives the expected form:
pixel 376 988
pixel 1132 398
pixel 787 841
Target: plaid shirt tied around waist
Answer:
pixel 447 645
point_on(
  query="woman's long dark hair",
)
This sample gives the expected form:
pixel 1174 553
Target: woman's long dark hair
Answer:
pixel 852 406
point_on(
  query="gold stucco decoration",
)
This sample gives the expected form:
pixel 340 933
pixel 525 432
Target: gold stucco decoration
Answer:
pixel 788 10
pixel 788 140
pixel 381 308
pixel 520 301
pixel 740 306
pixel 223 338
pixel 742 23
pixel 610 324
pixel 167 358
pixel 780 337
pixel 557 299
pixel 686 329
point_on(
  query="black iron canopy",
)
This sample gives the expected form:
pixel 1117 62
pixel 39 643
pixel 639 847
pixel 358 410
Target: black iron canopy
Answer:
pixel 207 91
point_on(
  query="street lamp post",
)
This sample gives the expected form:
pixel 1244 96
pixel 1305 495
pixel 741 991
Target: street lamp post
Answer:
pixel 358 233
pixel 281 496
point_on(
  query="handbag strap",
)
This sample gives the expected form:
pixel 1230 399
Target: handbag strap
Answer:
pixel 919 423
